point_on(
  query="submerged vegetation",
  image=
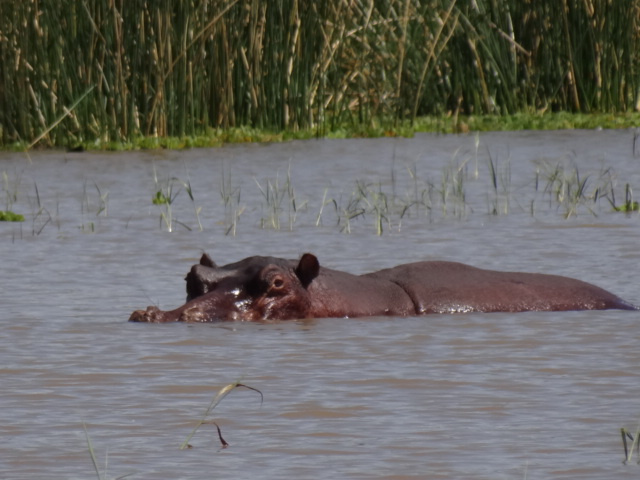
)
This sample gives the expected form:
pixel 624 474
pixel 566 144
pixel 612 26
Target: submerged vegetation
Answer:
pixel 467 186
pixel 102 73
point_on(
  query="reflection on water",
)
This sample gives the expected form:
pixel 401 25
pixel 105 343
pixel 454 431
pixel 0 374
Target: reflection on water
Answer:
pixel 533 395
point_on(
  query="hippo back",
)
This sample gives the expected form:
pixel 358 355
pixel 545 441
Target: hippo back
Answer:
pixel 450 287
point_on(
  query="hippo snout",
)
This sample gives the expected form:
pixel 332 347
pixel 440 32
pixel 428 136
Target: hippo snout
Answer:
pixel 151 314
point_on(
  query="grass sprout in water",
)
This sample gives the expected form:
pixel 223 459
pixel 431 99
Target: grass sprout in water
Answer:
pixel 166 193
pixel 501 186
pixel 568 190
pixel 635 445
pixel 222 393
pixel 279 196
pixel 94 460
pixel 629 205
pixel 230 196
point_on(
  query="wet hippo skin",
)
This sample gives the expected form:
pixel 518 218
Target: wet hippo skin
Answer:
pixel 269 288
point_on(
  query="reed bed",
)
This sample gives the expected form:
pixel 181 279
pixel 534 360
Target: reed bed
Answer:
pixel 74 72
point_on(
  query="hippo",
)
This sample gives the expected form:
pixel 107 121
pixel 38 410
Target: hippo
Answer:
pixel 269 288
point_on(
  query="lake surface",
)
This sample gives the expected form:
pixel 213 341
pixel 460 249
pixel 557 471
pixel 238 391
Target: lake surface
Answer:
pixel 479 396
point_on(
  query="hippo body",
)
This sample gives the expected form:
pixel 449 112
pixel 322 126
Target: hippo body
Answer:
pixel 269 288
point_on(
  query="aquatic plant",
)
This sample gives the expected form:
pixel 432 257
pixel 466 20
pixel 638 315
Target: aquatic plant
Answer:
pixel 568 189
pixel 164 197
pixel 275 194
pixel 101 475
pixel 101 206
pixel 10 187
pixel 635 444
pixel 404 198
pixel 500 179
pixel 186 184
pixel 371 67
pixel 452 191
pixel 231 200
pixel 629 205
pixel 222 393
pixel 9 216
pixel 166 193
pixel 41 216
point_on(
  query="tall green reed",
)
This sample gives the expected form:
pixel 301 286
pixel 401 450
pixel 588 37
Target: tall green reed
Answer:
pixel 79 71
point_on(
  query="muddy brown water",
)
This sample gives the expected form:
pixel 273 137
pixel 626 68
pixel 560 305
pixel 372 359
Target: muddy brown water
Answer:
pixel 499 396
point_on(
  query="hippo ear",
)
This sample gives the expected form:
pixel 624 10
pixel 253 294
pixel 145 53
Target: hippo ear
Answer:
pixel 206 261
pixel 308 268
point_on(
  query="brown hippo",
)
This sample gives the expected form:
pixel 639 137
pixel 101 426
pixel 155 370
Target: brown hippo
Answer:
pixel 266 288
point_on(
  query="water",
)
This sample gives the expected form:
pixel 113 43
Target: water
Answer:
pixel 500 396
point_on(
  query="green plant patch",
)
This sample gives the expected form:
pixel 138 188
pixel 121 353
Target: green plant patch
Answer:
pixel 9 216
pixel 161 199
pixel 628 207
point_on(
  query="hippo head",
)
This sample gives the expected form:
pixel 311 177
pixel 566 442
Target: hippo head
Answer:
pixel 256 288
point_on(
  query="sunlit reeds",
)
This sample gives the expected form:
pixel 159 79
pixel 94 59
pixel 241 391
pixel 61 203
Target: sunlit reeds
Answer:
pixel 76 72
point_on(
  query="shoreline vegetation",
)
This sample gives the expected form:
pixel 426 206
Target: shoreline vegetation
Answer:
pixel 441 125
pixel 100 74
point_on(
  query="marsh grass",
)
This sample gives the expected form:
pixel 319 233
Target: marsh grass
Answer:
pixel 629 205
pixel 102 475
pixel 186 184
pixel 165 195
pixel 279 197
pixel 469 179
pixel 41 216
pixel 347 212
pixel 452 192
pixel 98 205
pixel 222 393
pixel 230 196
pixel 635 443
pixel 166 192
pixel 113 71
pixel 376 204
pixel 10 187
pixel 569 190
pixel 94 204
pixel 500 179
pixel 231 200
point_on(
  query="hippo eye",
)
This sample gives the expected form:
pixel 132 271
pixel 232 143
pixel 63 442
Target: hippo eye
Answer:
pixel 272 280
